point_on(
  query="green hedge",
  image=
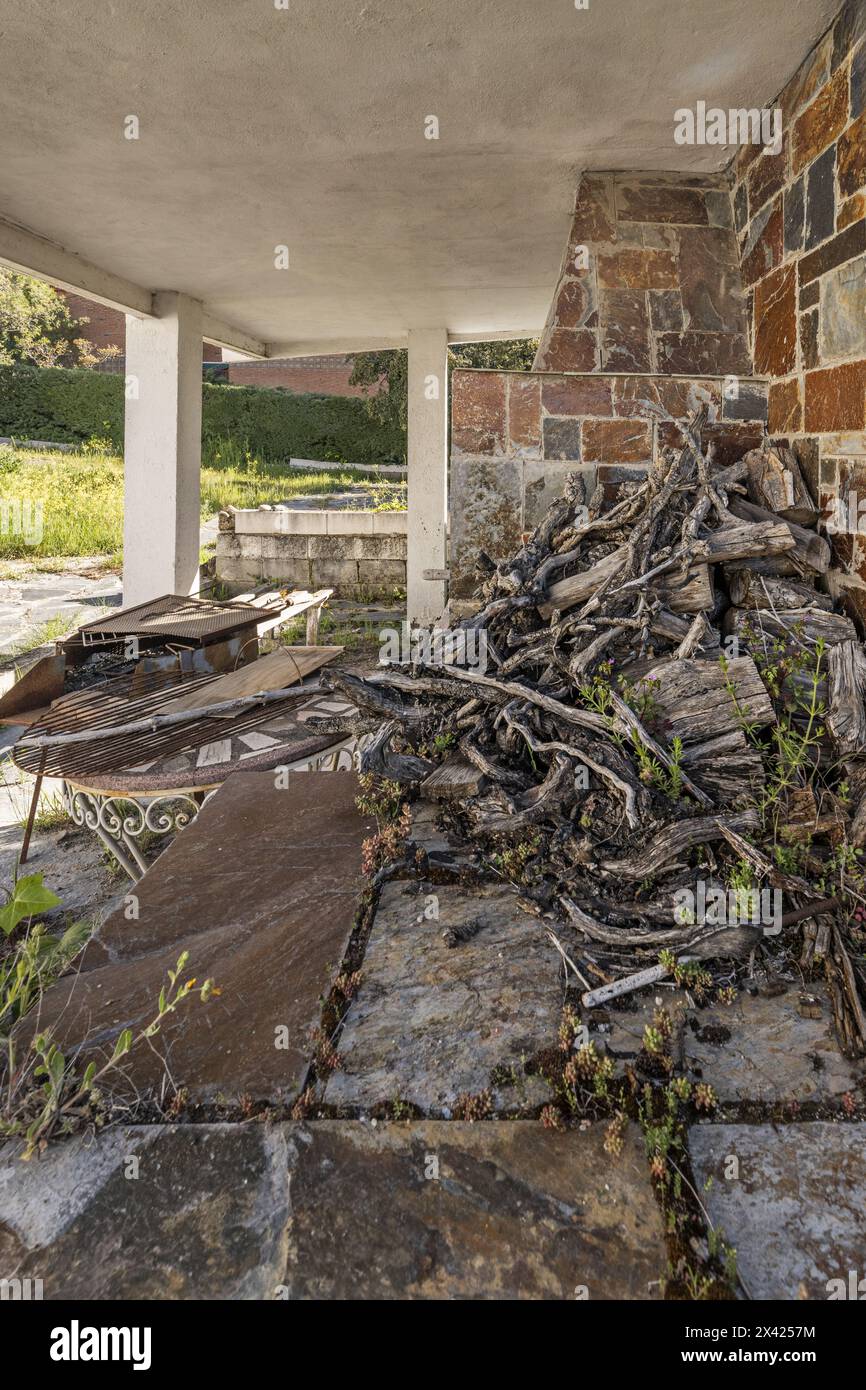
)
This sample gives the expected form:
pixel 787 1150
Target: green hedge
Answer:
pixel 71 405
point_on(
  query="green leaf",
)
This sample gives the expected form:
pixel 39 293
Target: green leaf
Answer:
pixel 29 899
pixel 123 1044
pixel 89 1073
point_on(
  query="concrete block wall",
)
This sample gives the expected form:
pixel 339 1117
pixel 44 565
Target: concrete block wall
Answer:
pixel 516 435
pixel 358 554
pixel 800 218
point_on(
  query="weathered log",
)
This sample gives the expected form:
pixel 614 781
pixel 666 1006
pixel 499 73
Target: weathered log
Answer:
pixel 727 767
pixel 675 629
pixel 374 698
pixel 543 802
pixel 630 789
pixel 641 738
pixel 776 483
pixel 380 760
pixel 751 590
pixel 692 594
pixel 799 627
pixel 675 840
pixel 857 832
pixel 846 716
pixel 696 698
pixel 811 552
pixel 761 538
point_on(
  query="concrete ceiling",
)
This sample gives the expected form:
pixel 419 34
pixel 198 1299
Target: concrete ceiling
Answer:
pixel 305 127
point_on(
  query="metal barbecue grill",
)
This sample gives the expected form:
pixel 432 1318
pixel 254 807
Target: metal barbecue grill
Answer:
pixel 156 779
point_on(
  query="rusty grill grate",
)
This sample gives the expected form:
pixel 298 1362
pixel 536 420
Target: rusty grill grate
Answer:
pixel 175 617
pixel 110 704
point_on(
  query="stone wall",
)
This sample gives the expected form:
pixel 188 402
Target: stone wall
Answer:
pixel 515 436
pixel 659 287
pixel 800 217
pixel 357 554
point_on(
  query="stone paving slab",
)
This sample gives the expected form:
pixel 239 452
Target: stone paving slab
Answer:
pixel 161 1212
pixel 33 599
pixel 334 1209
pixel 432 1021
pixel 796 1212
pixel 516 1212
pixel 261 890
pixel 764 1050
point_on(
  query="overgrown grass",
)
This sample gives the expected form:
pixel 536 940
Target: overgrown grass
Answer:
pixel 81 495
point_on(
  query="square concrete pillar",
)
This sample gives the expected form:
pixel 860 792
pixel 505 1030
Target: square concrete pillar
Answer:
pixel 162 455
pixel 427 499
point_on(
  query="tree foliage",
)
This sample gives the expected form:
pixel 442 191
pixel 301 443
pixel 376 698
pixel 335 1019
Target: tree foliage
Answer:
pixel 71 406
pixel 384 375
pixel 38 329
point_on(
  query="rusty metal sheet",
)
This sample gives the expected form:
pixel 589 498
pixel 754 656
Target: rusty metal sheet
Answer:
pixel 37 686
pixel 174 617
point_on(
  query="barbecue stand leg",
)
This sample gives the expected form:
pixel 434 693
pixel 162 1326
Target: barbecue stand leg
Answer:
pixel 135 852
pixel 34 802
pixel 129 866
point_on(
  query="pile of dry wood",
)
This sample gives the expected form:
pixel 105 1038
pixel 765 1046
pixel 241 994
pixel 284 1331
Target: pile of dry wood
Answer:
pixel 668 697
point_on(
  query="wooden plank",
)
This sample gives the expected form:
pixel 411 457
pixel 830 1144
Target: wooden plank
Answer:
pixel 272 672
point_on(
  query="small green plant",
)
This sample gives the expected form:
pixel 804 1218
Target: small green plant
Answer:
pixel 473 1107
pixel 596 691
pixel 688 974
pixel 675 770
pixel 512 862
pixel 37 958
pixel 641 697
pixel 383 800
pixel 51 1097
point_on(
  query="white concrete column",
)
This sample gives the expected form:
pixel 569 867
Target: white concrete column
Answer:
pixel 162 460
pixel 427 500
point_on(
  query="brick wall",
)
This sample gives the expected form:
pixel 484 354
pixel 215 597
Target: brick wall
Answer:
pixel 660 289
pixel 515 436
pixel 107 327
pixel 327 375
pixel 801 222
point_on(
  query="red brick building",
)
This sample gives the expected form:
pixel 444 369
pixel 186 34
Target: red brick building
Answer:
pixel 327 375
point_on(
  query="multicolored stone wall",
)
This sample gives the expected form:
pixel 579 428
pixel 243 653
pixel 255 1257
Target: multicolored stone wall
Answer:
pixel 800 218
pixel 515 436
pixel 650 281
